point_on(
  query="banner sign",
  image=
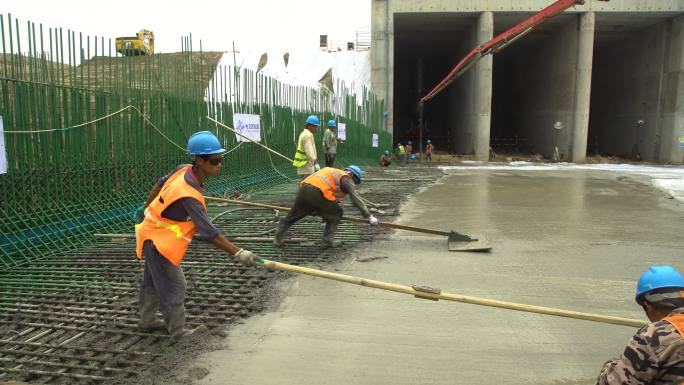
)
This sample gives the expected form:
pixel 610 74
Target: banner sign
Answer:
pixel 247 125
pixel 341 131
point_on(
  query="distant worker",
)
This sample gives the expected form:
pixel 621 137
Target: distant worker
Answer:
pixel 429 149
pixel 655 354
pixel 175 209
pixel 409 149
pixel 401 153
pixel 330 143
pixel 305 156
pixel 322 193
pixel 385 159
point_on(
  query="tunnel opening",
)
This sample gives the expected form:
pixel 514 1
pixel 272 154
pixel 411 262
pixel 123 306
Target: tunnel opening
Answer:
pixel 533 88
pixel 426 47
pixel 629 57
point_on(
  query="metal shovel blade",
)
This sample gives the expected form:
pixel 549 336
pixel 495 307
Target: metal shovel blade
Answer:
pixel 461 242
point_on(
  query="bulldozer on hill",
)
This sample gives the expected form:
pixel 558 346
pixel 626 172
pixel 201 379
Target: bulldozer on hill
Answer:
pixel 141 44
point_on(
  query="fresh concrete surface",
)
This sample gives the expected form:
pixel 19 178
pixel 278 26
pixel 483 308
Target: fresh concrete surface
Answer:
pixel 575 239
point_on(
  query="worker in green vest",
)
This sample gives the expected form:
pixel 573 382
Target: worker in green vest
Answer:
pixel 305 156
pixel 401 153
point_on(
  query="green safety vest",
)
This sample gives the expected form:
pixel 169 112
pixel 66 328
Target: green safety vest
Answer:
pixel 300 159
pixel 401 150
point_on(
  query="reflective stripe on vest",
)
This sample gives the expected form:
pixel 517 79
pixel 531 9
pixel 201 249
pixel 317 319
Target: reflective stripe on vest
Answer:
pixel 300 159
pixel 171 238
pixel 677 321
pixel 328 181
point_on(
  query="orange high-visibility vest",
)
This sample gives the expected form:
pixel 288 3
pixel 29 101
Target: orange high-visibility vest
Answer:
pixel 171 238
pixel 677 321
pixel 328 180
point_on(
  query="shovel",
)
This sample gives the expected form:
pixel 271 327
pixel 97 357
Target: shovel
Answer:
pixel 457 241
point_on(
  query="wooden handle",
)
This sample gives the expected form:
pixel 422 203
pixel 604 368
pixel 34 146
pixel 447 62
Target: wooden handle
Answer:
pixel 245 203
pixel 436 294
pixel 350 219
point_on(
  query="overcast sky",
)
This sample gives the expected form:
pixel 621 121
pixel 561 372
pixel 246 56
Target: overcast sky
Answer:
pixel 252 24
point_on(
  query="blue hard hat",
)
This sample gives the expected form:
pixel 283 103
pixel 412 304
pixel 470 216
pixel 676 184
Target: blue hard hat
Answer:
pixel 413 156
pixel 204 143
pixel 409 142
pixel 313 120
pixel 429 141
pixel 356 173
pixel 332 123
pixel 387 152
pixel 659 277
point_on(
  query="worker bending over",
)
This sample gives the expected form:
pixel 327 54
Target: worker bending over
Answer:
pixel 305 156
pixel 174 211
pixel 322 193
pixel 385 159
pixel 655 354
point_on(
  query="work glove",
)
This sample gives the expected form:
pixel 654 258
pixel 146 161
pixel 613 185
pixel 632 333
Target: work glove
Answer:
pixel 317 167
pixel 139 215
pixel 247 257
pixel 373 220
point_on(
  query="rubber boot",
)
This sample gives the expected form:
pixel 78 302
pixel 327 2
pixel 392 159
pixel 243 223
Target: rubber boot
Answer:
pixel 329 235
pixel 279 238
pixel 149 303
pixel 175 322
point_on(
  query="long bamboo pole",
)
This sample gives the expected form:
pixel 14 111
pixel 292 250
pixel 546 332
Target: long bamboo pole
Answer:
pixel 350 219
pixel 437 294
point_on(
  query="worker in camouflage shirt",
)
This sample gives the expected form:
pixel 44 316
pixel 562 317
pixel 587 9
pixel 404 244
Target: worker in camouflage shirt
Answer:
pixel 655 355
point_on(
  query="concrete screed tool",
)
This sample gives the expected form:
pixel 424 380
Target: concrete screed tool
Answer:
pixel 456 241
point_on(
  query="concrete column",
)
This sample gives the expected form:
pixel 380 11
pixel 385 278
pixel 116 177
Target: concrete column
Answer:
pixel 382 56
pixel 482 91
pixel 585 57
pixel 672 95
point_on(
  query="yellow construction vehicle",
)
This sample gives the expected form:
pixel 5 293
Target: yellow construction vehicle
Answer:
pixel 142 44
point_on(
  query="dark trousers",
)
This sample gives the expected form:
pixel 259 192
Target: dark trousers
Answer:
pixel 329 160
pixel 310 200
pixel 166 278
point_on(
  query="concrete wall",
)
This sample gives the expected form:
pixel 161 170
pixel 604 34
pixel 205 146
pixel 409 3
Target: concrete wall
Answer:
pixel 553 80
pixel 532 5
pixel 471 95
pixel 672 120
pixel 626 88
pixel 540 82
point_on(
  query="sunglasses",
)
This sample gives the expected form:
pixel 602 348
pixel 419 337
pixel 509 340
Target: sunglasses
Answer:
pixel 214 161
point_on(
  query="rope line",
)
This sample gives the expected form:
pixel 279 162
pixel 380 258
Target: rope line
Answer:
pixel 128 107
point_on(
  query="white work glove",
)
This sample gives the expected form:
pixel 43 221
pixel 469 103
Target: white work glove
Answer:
pixel 317 167
pixel 247 257
pixel 373 220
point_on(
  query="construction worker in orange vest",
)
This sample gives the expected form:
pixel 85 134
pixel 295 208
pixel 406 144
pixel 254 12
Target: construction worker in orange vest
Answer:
pixel 174 211
pixel 655 355
pixel 322 193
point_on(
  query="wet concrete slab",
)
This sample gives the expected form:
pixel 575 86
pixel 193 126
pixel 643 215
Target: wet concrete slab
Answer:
pixel 572 239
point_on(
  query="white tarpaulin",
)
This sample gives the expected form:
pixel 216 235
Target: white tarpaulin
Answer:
pixel 3 157
pixel 341 131
pixel 247 125
pixel 376 140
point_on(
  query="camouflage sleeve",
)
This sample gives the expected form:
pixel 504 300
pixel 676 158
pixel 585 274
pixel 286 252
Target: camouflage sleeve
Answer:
pixel 638 364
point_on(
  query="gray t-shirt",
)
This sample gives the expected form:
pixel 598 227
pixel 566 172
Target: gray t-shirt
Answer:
pixel 330 140
pixel 189 208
